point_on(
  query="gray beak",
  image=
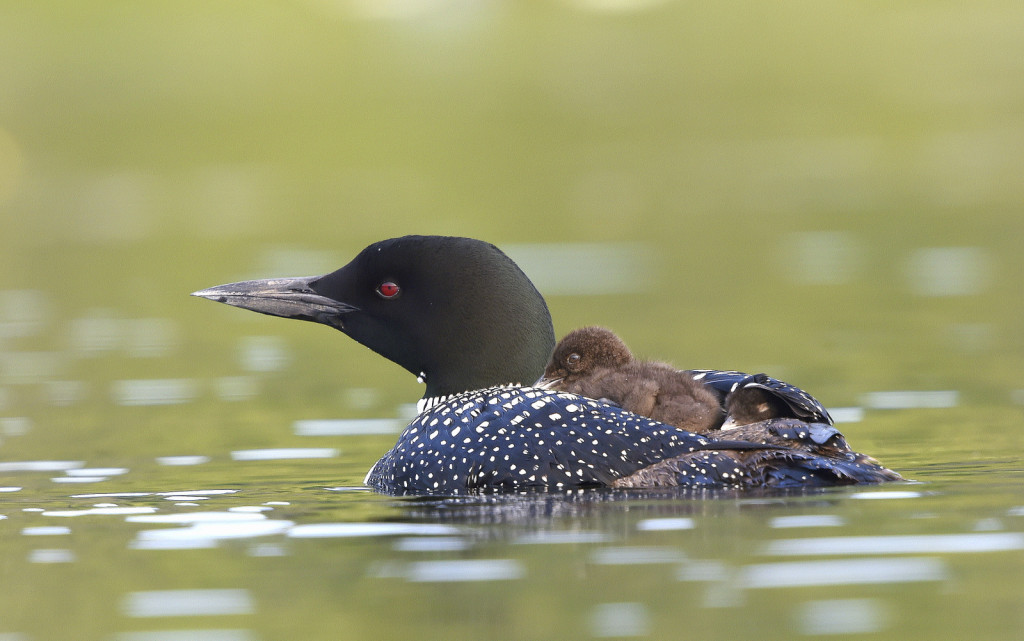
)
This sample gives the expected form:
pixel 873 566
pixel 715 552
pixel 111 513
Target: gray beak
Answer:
pixel 547 383
pixel 284 297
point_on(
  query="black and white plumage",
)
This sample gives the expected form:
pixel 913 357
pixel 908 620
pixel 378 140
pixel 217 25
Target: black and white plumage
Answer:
pixel 463 318
pixel 518 438
pixel 757 397
pixel 521 437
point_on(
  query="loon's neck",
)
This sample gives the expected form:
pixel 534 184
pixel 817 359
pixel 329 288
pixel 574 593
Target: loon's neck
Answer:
pixel 428 403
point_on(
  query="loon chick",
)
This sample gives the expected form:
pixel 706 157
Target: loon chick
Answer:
pixel 595 362
pixel 462 317
pixel 760 397
pixel 751 398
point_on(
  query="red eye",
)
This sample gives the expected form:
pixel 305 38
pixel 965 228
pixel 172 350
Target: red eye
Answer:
pixel 388 289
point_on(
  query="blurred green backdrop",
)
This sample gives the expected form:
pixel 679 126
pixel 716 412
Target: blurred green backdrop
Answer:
pixel 830 192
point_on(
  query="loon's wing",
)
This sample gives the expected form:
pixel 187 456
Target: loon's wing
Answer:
pixel 775 467
pixel 724 382
pixel 819 439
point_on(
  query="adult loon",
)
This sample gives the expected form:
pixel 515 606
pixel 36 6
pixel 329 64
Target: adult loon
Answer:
pixel 462 317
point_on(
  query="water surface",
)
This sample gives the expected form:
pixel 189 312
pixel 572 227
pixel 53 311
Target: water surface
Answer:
pixel 826 192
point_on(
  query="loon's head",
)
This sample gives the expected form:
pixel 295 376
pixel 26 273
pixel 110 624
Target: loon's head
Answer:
pixel 456 312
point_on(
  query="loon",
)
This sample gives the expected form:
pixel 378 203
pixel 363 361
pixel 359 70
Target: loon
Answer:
pixel 595 362
pixel 465 320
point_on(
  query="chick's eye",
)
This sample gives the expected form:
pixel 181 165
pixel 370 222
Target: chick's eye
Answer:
pixel 388 289
pixel 573 358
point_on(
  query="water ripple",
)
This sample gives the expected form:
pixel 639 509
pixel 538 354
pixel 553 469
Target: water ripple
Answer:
pixel 842 572
pixel 205 532
pixel 284 453
pixel 905 544
pixel 806 520
pixel 176 603
pixel 109 511
pixel 348 427
pixel 219 634
pixel 654 525
pixel 465 570
pixel 636 556
pixel 39 466
pixel 842 616
pixel 331 530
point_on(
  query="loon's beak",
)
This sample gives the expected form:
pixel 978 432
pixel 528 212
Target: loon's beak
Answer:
pixel 729 424
pixel 284 297
pixel 547 383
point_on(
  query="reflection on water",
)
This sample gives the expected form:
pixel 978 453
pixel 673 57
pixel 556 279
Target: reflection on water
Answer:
pixel 218 634
pixel 807 520
pixel 78 479
pixel 665 524
pixel 105 510
pixel 556 537
pixel 24 368
pixel 236 388
pixel 931 543
pixel 347 530
pixel 263 353
pixel 183 460
pixel 154 391
pixel 619 555
pixel 101 331
pixel 177 603
pixel 901 400
pixel 619 620
pixel 842 616
pixel 841 572
pixel 204 529
pixel 15 425
pixel 23 312
pixel 51 556
pixel 886 495
pixel 39 466
pixel 703 571
pixel 64 393
pixel 432 544
pixel 155 485
pixel 348 427
pixel 846 414
pixel 707 554
pixel 97 471
pixel 46 530
pixel 284 453
pixel 464 570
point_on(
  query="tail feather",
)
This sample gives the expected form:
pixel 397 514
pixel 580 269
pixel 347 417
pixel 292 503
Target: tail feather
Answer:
pixel 780 468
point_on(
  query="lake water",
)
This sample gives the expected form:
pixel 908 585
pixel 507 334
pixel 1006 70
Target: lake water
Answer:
pixel 829 193
pixel 284 543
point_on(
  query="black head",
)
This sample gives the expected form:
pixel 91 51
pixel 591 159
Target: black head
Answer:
pixel 456 311
pixel 584 349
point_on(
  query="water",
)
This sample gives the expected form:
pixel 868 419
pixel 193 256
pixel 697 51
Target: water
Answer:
pixel 829 193
pixel 276 554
